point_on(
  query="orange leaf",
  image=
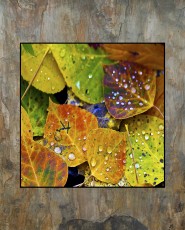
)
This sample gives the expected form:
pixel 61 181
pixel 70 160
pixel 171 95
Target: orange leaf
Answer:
pixel 68 125
pixel 26 128
pixel 106 154
pixel 149 55
pixel 159 98
pixel 41 167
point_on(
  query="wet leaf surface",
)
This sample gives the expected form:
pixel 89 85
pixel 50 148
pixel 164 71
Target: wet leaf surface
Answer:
pixel 68 126
pixel 40 167
pixel 129 89
pixel 106 154
pixel 82 68
pixel 48 78
pixel 147 139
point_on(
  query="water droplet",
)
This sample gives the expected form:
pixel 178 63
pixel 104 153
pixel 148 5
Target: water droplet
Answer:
pixel 161 127
pixel 140 103
pixel 84 148
pixel 136 140
pixel 133 90
pixel 130 155
pixel 117 102
pixel 151 134
pixel 143 132
pixel 57 150
pixel 158 132
pixel 93 162
pixel 85 137
pixel 147 87
pixel 90 76
pixel 52 87
pixel 131 108
pixel 121 183
pixel 129 103
pixel 113 97
pixel 109 150
pixel 125 86
pixel 62 53
pixel 83 57
pixel 106 178
pixel 78 84
pixel 133 77
pixel 120 98
pixel 100 148
pixel 52 143
pixel 92 57
pixel 124 161
pixel 117 80
pixel 31 70
pixel 140 72
pixel 137 166
pixel 106 158
pixel 107 169
pixel 115 94
pixel 142 143
pixel 71 157
pixel 146 136
pixel 48 78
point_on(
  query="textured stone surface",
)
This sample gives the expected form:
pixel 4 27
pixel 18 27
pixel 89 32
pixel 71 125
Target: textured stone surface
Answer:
pixel 100 21
pixel 113 222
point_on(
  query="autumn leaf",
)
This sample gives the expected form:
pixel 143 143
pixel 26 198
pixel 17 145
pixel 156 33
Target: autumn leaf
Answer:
pixel 106 154
pixel 129 89
pixel 147 139
pixel 149 55
pixel 35 103
pixel 82 68
pixel 158 110
pixel 48 76
pixel 40 167
pixel 68 126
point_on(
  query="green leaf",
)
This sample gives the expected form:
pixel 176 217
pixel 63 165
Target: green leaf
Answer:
pixel 147 140
pixel 28 48
pixel 82 68
pixel 48 76
pixel 35 103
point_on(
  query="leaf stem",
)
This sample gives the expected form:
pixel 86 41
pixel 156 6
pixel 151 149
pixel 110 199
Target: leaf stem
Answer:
pixel 80 185
pixel 30 83
pixel 158 110
pixel 126 126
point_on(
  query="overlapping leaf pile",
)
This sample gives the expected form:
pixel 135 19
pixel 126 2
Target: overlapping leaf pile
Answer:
pixel 97 108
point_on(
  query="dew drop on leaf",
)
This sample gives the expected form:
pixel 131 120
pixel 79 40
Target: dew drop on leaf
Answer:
pixel 109 150
pixel 133 90
pixel 90 76
pixel 71 157
pixel 84 148
pixel 106 158
pixel 100 148
pixel 57 150
pixel 146 136
pixel 93 162
pixel 125 86
pixel 161 127
pixel 147 87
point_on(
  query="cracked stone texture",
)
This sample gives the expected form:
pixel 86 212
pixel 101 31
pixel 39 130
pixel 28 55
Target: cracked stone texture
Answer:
pixel 99 21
